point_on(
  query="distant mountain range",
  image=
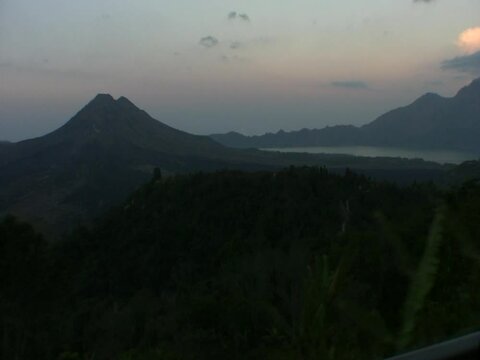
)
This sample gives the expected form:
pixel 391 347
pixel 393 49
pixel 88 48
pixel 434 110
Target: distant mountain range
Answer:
pixel 431 122
pixel 111 147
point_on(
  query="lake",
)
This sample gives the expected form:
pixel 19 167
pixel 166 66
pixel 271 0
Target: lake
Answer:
pixel 439 156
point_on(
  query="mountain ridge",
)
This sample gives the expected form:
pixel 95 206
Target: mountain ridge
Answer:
pixel 429 122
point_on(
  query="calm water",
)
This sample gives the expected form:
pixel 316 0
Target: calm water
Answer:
pixel 440 156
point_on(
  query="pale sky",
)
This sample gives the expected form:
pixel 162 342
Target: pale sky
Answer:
pixel 218 65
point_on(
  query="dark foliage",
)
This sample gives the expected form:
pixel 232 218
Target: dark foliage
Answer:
pixel 297 264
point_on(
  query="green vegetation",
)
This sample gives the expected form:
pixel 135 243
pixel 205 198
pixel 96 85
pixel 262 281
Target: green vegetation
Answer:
pixel 297 264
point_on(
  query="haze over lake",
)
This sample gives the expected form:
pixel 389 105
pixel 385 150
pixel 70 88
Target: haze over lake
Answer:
pixel 439 156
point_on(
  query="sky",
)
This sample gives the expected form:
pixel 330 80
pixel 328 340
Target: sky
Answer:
pixel 214 66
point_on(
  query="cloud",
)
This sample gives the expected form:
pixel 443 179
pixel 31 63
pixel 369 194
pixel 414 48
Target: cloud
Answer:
pixel 469 40
pixel 352 84
pixel 424 1
pixel 467 64
pixel 236 45
pixel 233 15
pixel 209 41
pixel 244 17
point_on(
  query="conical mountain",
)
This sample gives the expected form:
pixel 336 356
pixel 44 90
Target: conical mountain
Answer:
pixel 105 151
pixel 120 121
pixel 110 123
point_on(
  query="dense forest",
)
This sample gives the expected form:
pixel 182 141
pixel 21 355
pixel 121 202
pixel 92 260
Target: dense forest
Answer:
pixel 295 264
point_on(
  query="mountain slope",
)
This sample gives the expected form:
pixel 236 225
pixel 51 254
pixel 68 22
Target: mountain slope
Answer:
pixel 431 122
pixel 115 123
pixel 103 153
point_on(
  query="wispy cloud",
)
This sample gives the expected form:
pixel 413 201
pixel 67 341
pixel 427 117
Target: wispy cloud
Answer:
pixel 236 45
pixel 467 64
pixel 244 17
pixel 351 84
pixel 233 15
pixel 209 41
pixel 424 1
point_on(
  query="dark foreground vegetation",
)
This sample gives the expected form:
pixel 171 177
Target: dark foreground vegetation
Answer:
pixel 298 264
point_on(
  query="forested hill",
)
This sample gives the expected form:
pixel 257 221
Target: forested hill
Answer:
pixel 430 122
pixel 295 264
pixel 468 171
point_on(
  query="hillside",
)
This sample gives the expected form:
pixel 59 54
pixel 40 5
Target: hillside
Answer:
pixel 4 145
pixel 114 124
pixel 104 152
pixel 296 264
pixel 111 147
pixel 431 122
pixel 468 171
